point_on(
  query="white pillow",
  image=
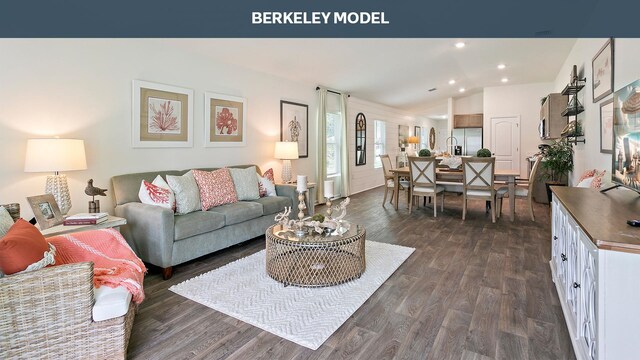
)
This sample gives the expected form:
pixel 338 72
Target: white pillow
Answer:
pixel 585 183
pixel 268 186
pixel 157 193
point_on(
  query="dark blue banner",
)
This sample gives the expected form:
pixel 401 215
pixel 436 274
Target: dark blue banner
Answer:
pixel 313 18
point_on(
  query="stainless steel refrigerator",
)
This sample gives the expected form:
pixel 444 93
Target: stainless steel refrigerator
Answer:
pixel 470 139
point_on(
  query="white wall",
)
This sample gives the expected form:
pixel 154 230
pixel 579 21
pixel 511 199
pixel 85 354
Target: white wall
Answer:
pixel 472 104
pixel 626 70
pixel 82 89
pixel 365 177
pixel 516 100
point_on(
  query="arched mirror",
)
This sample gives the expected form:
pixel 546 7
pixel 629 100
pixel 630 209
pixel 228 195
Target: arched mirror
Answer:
pixel 361 139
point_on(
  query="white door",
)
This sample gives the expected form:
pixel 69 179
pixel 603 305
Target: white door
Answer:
pixel 505 142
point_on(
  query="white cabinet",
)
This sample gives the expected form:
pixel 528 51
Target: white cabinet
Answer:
pixel 599 291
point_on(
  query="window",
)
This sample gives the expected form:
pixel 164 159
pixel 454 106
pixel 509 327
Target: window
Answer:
pixel 333 144
pixel 379 134
pixel 424 138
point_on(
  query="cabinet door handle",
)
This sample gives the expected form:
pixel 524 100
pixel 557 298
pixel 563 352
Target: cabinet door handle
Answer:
pixel 555 237
pixel 576 285
pixel 563 257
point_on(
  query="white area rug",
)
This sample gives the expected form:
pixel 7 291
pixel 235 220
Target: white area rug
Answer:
pixel 306 316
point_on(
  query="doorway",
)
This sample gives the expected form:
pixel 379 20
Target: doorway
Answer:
pixel 505 142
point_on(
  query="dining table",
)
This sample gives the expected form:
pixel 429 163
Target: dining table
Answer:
pixel 455 175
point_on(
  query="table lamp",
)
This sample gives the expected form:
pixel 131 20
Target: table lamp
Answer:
pixel 413 140
pixel 286 151
pixel 55 155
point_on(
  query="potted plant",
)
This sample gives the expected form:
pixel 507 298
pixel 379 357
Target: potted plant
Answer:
pixel 483 153
pixel 558 161
pixel 424 153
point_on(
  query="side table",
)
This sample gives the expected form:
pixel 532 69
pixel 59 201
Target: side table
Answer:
pixel 112 222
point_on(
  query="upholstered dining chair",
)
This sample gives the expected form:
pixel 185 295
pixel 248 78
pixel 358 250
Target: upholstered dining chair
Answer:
pixel 522 191
pixel 478 174
pixel 422 179
pixel 389 179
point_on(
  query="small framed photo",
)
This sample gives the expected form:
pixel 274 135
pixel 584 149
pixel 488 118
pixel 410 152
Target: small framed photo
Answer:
pixel 46 210
pixel 225 123
pixel 602 72
pixel 162 115
pixel 294 125
pixel 606 127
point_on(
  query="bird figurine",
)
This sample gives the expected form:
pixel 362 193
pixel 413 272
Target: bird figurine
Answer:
pixel 94 191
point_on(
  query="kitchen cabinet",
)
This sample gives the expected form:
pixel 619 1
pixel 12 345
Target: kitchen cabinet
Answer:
pixel 467 121
pixel 595 262
pixel 551 120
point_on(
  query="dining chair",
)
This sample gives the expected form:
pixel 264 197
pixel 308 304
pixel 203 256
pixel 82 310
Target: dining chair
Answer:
pixel 389 179
pixel 478 174
pixel 522 191
pixel 422 177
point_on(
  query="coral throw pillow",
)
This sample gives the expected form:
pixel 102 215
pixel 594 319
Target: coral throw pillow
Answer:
pixel 22 246
pixel 269 175
pixel 216 188
pixel 157 193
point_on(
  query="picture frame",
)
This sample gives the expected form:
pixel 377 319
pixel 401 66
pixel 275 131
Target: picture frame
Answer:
pixel 606 126
pixel 162 115
pixel 225 120
pixel 602 71
pixel 403 134
pixel 46 210
pixel 294 125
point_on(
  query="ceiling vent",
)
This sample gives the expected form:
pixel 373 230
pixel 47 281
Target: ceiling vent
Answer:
pixel 432 89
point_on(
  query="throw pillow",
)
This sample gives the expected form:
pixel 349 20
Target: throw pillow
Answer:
pixel 216 188
pixel 269 175
pixel 585 183
pixel 6 221
pixel 157 193
pixel 597 180
pixel 22 246
pixel 267 187
pixel 245 182
pixel 186 192
pixel 587 174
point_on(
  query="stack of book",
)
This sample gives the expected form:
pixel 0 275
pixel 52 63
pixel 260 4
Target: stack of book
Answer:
pixel 86 219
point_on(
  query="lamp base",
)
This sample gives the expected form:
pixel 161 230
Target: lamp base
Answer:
pixel 57 186
pixel 286 171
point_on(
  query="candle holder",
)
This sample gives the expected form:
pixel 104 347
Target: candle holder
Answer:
pixel 329 209
pixel 301 206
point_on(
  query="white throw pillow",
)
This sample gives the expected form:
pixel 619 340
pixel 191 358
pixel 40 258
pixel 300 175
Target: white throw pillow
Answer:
pixel 6 221
pixel 157 193
pixel 186 192
pixel 268 186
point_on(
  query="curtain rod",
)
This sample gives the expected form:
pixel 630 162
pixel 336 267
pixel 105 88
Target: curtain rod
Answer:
pixel 331 91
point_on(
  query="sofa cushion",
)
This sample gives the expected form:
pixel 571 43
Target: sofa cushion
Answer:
pixel 273 204
pixel 110 302
pixel 238 212
pixel 197 223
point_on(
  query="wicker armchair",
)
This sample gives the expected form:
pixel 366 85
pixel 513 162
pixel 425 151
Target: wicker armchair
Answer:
pixel 46 314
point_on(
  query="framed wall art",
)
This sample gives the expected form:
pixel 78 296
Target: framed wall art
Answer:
pixel 46 210
pixel 294 125
pixel 606 127
pixel 403 134
pixel 162 115
pixel 602 71
pixel 225 120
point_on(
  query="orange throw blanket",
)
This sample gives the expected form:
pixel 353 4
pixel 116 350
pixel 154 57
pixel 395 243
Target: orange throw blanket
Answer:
pixel 114 263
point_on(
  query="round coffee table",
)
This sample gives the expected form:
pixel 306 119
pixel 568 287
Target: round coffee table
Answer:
pixel 315 260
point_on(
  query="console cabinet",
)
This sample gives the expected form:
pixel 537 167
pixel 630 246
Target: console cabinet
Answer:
pixel 597 281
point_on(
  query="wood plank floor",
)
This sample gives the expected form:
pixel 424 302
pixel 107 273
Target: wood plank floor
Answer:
pixel 471 290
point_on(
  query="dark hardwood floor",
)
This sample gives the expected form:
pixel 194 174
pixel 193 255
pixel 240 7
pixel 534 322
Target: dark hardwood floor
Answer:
pixel 471 290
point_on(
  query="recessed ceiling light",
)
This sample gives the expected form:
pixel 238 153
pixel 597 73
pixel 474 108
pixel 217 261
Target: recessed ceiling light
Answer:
pixel 462 90
pixel 460 44
pixel 501 66
pixel 504 79
pixel 451 82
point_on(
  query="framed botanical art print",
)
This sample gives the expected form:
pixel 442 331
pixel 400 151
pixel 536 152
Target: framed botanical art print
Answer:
pixel 294 125
pixel 162 115
pixel 602 67
pixel 46 210
pixel 606 127
pixel 225 123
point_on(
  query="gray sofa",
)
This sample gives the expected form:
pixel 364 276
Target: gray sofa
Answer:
pixel 163 239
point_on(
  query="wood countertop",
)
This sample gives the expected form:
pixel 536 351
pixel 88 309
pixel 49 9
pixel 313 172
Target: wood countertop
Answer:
pixel 603 216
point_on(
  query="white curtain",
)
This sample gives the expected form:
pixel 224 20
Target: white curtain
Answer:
pixel 321 161
pixel 344 171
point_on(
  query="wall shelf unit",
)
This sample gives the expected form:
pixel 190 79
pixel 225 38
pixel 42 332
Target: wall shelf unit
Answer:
pixel 573 132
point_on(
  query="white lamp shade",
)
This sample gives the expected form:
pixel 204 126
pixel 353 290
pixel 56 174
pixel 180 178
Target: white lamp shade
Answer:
pixel 286 150
pixel 45 155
